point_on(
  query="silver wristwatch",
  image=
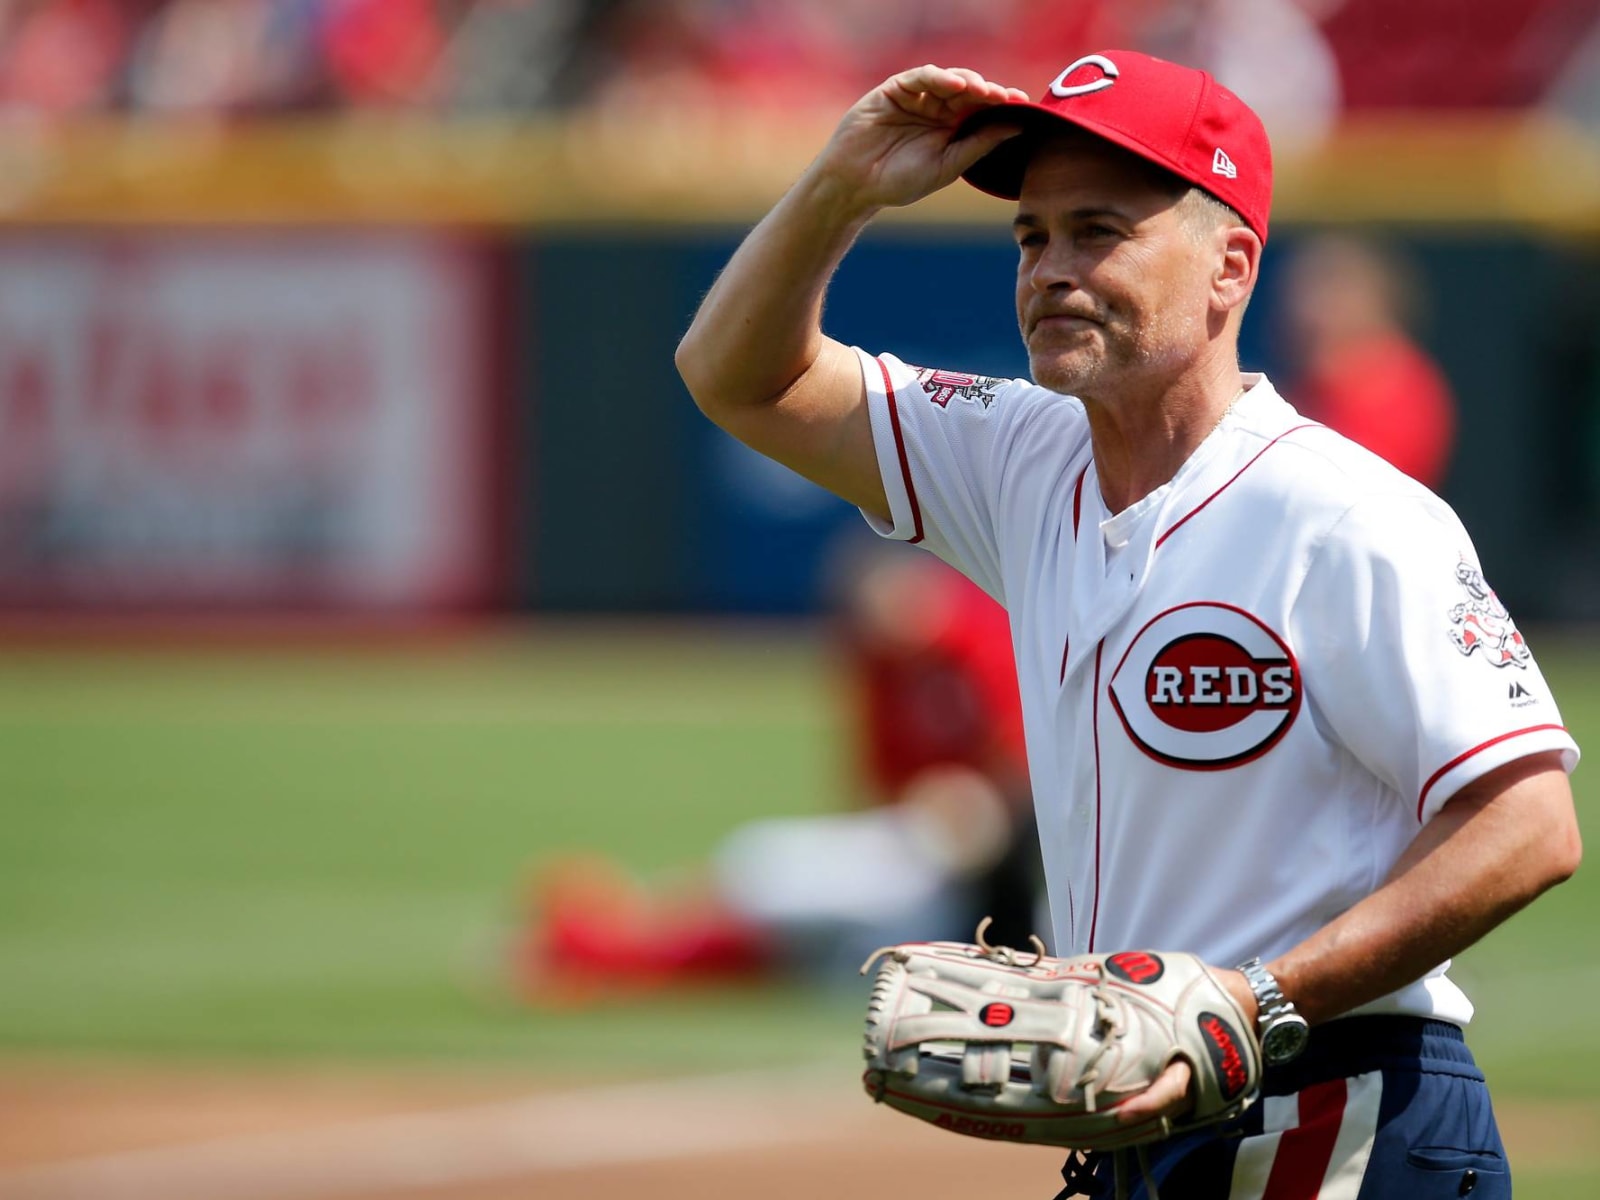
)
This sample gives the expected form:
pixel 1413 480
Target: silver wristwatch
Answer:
pixel 1282 1031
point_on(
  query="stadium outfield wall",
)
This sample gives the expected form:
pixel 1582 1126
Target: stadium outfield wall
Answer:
pixel 380 366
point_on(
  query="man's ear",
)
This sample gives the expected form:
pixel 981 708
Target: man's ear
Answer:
pixel 1235 276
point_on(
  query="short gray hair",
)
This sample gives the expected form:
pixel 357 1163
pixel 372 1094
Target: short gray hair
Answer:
pixel 1203 212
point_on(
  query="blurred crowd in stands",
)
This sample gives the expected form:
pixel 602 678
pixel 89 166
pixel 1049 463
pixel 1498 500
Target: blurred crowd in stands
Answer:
pixel 1304 61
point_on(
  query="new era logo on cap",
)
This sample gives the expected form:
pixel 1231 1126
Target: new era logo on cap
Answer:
pixel 1174 116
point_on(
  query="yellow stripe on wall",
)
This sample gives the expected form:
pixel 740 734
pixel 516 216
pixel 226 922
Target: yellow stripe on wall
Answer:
pixel 669 168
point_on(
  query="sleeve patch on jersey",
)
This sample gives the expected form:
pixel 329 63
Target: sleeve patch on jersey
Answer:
pixel 941 387
pixel 1480 624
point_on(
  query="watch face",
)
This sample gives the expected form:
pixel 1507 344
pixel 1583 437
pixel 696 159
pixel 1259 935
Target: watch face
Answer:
pixel 1284 1040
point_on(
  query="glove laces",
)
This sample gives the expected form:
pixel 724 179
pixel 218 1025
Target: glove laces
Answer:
pixel 1085 1176
pixel 1106 1030
pixel 1082 1172
pixel 1005 954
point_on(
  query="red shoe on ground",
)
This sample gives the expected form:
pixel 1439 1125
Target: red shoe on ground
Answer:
pixel 593 931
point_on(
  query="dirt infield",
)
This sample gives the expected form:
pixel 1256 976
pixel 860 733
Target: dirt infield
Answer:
pixel 82 1133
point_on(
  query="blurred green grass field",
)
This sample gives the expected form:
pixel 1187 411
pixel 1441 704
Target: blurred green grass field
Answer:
pixel 320 854
pixel 317 854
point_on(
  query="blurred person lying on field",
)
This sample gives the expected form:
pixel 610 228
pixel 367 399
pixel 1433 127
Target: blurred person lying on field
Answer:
pixel 942 834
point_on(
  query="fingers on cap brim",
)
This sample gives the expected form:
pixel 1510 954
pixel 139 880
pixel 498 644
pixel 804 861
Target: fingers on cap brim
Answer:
pixel 1000 171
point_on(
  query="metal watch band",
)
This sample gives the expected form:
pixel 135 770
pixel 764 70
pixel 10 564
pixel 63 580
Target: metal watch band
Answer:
pixel 1269 996
pixel 1283 1032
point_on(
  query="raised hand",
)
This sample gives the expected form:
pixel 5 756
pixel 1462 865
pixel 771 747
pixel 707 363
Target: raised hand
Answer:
pixel 897 145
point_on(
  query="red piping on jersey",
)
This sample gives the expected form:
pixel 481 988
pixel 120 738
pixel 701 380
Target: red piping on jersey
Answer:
pixel 1077 499
pixel 1094 725
pixel 1066 644
pixel 900 449
pixel 1455 762
pixel 1306 1151
pixel 1193 511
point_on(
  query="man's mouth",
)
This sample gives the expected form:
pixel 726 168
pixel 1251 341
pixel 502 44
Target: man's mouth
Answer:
pixel 1063 321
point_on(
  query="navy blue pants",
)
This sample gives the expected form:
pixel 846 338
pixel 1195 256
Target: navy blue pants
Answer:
pixel 1377 1108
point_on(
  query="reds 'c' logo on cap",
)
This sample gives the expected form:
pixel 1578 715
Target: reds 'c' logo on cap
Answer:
pixel 1206 686
pixel 1094 81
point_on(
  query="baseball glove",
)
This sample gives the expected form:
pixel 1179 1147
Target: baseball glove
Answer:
pixel 993 1043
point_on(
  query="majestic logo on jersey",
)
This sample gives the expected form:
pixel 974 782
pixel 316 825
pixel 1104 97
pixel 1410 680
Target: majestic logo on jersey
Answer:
pixel 1481 625
pixel 941 387
pixel 1206 686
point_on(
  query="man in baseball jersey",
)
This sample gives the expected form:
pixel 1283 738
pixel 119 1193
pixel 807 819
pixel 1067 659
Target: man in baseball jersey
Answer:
pixel 1275 716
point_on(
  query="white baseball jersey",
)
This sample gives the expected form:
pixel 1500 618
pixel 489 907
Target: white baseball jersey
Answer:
pixel 1245 694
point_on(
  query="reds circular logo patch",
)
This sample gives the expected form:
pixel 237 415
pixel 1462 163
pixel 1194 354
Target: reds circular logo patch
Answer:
pixel 1206 686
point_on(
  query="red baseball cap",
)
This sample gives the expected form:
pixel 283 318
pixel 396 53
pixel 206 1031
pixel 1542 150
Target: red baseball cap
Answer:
pixel 1176 117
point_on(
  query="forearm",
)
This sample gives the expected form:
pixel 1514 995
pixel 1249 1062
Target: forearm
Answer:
pixel 1488 853
pixel 759 329
pixel 1493 848
pixel 755 358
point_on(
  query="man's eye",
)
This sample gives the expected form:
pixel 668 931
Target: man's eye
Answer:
pixel 1099 231
pixel 1030 239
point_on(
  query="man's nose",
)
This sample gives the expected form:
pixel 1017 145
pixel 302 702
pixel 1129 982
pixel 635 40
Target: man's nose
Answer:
pixel 1058 266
